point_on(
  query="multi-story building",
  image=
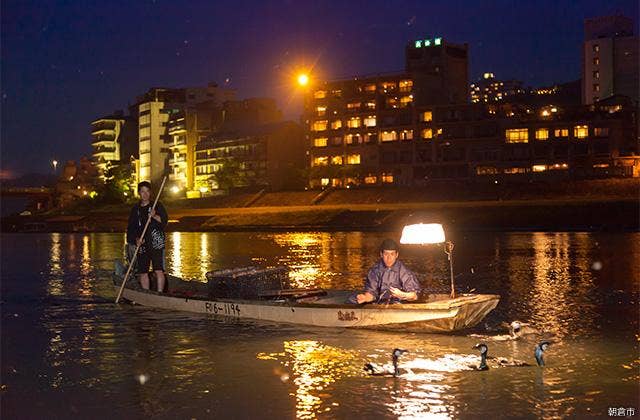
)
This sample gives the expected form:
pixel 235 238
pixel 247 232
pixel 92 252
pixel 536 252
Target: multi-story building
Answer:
pixel 114 139
pixel 270 156
pixel 353 122
pixel 155 108
pixel 488 89
pixel 610 59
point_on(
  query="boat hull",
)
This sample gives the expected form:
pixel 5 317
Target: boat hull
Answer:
pixel 439 316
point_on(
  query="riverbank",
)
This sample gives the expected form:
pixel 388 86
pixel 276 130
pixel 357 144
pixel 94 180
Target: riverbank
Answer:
pixel 566 206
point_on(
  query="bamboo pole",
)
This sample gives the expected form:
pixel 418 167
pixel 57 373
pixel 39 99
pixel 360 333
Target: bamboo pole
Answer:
pixel 135 255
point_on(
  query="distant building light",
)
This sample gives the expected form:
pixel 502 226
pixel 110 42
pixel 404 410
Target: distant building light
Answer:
pixel 427 42
pixel 437 41
pixel 418 44
pixel 204 189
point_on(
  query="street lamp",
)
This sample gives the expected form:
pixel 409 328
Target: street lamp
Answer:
pixel 429 233
pixel 55 165
pixel 303 79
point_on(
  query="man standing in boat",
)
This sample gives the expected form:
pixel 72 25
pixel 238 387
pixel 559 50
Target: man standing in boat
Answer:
pixel 152 245
pixel 389 279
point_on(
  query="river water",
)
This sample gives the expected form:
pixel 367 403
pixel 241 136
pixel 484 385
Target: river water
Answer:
pixel 68 351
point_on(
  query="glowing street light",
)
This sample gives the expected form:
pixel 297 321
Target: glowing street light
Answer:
pixel 55 165
pixel 303 79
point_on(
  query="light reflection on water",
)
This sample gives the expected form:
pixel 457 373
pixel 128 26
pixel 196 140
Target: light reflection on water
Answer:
pixel 61 334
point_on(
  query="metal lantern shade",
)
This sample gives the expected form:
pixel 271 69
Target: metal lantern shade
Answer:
pixel 422 233
pixel 429 233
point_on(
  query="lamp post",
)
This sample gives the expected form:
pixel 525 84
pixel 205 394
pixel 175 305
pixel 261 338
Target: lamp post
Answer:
pixel 55 165
pixel 430 233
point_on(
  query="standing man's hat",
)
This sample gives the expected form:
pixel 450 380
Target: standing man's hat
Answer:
pixel 389 245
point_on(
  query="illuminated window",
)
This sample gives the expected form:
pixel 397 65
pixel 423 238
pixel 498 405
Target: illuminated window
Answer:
pixel 596 74
pixel 406 100
pixel 516 170
pixel 437 41
pixel 353 159
pixel 388 136
pixel 427 133
pixel 596 48
pixel 486 170
pixel 388 86
pixel 596 87
pixel 539 168
pixel 319 94
pixel 370 105
pixel 370 121
pixel 321 111
pixel 320 125
pixel 337 93
pixel 427 42
pixel 418 44
pixel 406 85
pixel 601 131
pixel 561 132
pixel 370 179
pixel 336 160
pixel 324 182
pixel 353 122
pixel 558 167
pixel 406 135
pixel 517 135
pixel 320 142
pixel 353 105
pixel 352 139
pixel 542 134
pixel 581 131
pixel 336 124
pixel 370 138
pixel 596 61
pixel 370 88
pixel 387 178
pixel 426 116
pixel 321 161
pixel 392 102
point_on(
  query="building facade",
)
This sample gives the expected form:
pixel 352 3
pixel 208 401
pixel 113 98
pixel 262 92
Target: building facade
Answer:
pixel 155 109
pixel 270 156
pixel 114 140
pixel 610 59
pixel 488 89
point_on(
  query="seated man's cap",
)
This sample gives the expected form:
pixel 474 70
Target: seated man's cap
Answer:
pixel 389 245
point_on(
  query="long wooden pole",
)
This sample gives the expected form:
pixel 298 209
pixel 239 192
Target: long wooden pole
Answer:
pixel 135 255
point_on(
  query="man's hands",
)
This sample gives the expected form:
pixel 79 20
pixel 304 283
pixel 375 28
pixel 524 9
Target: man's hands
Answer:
pixel 139 241
pixel 397 293
pixel 365 297
pixel 155 216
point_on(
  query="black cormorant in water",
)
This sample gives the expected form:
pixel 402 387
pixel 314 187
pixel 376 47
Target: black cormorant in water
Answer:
pixel 395 356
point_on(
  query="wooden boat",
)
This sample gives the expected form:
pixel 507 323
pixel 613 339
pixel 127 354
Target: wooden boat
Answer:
pixel 316 307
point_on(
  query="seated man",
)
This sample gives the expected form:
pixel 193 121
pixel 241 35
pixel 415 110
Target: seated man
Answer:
pixel 389 279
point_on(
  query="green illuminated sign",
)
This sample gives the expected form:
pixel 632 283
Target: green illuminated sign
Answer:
pixel 428 42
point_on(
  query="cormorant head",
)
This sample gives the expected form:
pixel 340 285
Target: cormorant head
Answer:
pixel 398 352
pixel 482 347
pixel 514 328
pixel 539 351
pixel 368 367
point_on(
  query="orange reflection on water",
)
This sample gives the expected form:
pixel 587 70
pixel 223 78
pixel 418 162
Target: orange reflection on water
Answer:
pixel 304 254
pixel 54 286
pixel 314 366
pixel 176 254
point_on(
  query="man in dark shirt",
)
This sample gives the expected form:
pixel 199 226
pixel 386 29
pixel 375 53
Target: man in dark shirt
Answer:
pixel 389 279
pixel 152 245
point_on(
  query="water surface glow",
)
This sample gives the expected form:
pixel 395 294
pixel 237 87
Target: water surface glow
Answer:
pixel 64 339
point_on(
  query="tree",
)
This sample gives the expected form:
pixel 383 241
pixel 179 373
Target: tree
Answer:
pixel 230 175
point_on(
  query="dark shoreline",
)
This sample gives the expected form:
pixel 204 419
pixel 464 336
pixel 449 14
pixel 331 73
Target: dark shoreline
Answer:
pixel 550 215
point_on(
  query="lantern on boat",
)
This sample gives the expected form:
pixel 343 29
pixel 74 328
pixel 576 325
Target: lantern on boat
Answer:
pixel 429 233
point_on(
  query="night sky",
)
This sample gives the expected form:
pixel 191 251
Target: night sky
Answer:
pixel 65 63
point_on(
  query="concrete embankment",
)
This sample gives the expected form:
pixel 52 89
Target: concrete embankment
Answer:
pixel 584 206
